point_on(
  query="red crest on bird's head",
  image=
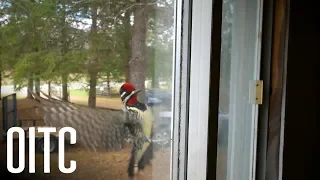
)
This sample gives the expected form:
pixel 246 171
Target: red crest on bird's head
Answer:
pixel 127 87
pixel 128 94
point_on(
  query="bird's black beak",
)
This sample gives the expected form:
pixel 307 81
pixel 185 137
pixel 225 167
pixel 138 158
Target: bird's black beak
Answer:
pixel 136 92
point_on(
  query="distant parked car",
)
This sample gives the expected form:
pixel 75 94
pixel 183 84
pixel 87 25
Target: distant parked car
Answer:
pixel 158 97
pixel 160 101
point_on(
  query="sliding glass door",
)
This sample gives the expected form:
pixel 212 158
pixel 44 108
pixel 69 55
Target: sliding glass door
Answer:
pixel 239 89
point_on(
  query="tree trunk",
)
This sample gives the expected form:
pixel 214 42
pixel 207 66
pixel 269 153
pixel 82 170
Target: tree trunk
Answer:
pixel 49 88
pixel 127 44
pixel 64 50
pixel 30 86
pixel 137 63
pixel 154 70
pixel 37 85
pixel 92 90
pixel 155 80
pixel 0 82
pixel 108 85
pixel 93 64
pixel 65 88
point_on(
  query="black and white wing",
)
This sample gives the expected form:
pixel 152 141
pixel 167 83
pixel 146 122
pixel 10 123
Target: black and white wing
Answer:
pixel 97 128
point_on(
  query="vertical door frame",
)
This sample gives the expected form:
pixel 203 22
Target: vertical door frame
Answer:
pixel 214 90
pixel 199 91
pixel 271 117
pixel 181 81
pixel 191 92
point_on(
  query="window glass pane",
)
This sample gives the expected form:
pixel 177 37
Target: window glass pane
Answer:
pixel 240 57
pixel 224 94
pixel 82 51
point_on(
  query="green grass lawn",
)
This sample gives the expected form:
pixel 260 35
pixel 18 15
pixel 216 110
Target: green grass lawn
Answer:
pixel 81 97
pixel 78 93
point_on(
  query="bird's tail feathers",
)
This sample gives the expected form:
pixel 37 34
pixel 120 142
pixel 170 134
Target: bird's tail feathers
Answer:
pixel 146 157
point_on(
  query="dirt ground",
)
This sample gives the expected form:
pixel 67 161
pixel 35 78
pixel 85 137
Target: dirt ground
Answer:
pixel 103 165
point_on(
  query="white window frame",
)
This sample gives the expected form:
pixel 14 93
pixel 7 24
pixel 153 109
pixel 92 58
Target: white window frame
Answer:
pixel 191 89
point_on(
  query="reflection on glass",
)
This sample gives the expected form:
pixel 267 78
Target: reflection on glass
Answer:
pixel 82 51
pixel 224 94
pixel 239 66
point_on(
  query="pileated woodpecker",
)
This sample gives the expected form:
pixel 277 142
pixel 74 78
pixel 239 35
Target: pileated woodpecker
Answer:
pixel 105 128
pixel 140 124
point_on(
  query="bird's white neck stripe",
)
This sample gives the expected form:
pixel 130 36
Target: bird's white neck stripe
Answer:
pixel 123 94
pixel 128 97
